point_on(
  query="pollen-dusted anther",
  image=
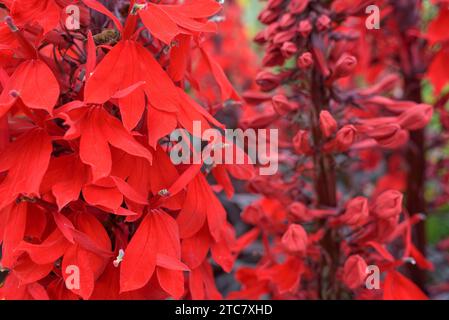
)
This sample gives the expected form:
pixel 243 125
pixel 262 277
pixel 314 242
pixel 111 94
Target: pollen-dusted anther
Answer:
pixel 119 258
pixel 25 199
pixel 137 7
pixel 164 193
pixel 10 22
pixel 14 93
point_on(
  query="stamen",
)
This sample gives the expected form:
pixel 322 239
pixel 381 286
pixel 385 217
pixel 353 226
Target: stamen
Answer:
pixel 119 258
pixel 164 193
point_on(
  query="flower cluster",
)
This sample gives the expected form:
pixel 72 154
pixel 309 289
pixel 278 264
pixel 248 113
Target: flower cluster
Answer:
pixel 322 220
pixel 91 205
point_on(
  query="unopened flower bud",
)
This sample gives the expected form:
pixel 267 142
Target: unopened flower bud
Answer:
pixel 260 37
pixel 273 4
pixel 328 125
pixel 295 239
pixel 273 58
pixel 416 117
pixel 345 137
pixel 282 106
pixel 284 36
pixel 286 21
pixel 387 135
pixel 288 49
pixel 388 204
pixel 301 142
pixel 298 211
pixel 297 6
pixel 304 28
pixel 323 22
pixel 344 66
pixel 354 271
pixel 356 213
pixel 305 60
pixel 268 16
pixel 267 80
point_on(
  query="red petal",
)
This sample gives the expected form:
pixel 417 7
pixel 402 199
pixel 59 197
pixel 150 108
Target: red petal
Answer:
pixel 139 261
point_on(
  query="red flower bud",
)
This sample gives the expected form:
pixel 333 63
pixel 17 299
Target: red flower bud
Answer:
pixel 268 16
pixel 356 212
pixel 252 214
pixel 261 37
pixel 271 30
pixel 345 137
pixel 282 106
pixel 354 271
pixel 288 49
pixel 305 60
pixel 297 6
pixel 298 211
pixel 323 22
pixel 304 28
pixel 328 124
pixel 344 66
pixel 273 58
pixel 295 239
pixel 388 204
pixel 286 21
pixel 255 96
pixel 388 135
pixel 267 80
pixel 416 117
pixel 283 36
pixel 273 4
pixel 301 142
